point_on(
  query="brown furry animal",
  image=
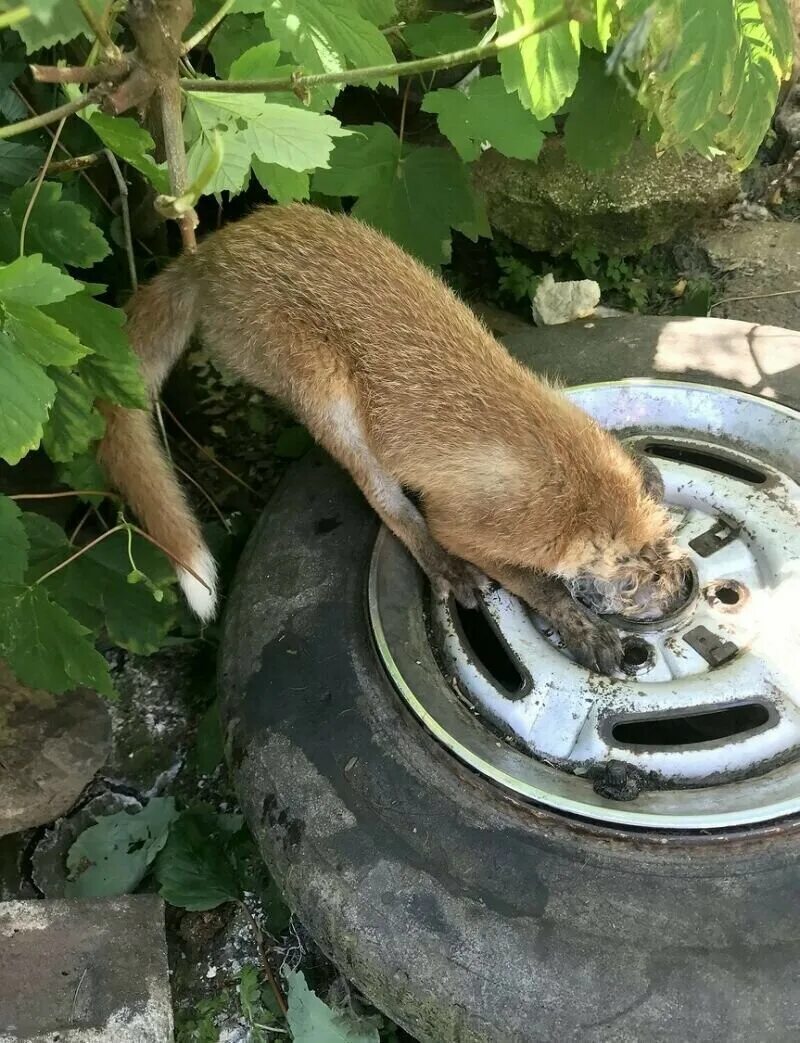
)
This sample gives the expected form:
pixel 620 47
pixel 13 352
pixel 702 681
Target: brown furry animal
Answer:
pixel 403 385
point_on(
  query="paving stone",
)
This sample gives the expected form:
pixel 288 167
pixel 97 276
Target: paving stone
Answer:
pixel 92 971
pixel 50 748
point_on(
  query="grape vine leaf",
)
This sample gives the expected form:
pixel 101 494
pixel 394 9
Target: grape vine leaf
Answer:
pixel 195 870
pixel 84 472
pixel 487 113
pixel 18 162
pixel 74 423
pixel 285 186
pixel 328 36
pixel 112 856
pixel 28 341
pixel 95 589
pixel 237 34
pixel 14 541
pixel 597 95
pixel 248 126
pixel 441 35
pixel 44 646
pixel 311 1020
pixel 60 230
pixel 29 280
pixel 65 22
pixel 132 143
pixel 543 69
pixel 379 12
pixel 415 195
pixel 112 371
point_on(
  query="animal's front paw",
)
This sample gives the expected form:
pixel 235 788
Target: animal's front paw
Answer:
pixel 594 643
pixel 453 576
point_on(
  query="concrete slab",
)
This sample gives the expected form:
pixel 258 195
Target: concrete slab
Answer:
pixel 91 971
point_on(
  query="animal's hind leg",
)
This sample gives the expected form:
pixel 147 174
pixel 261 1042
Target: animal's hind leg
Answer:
pixel 342 434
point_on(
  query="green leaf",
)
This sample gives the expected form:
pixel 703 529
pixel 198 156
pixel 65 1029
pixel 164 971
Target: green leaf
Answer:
pixel 194 870
pixel 64 23
pixel 487 114
pixel 235 35
pixel 327 36
pixel 113 371
pixel 131 143
pixel 60 230
pixel 74 424
pixel 112 856
pixel 441 35
pixel 26 394
pixel 361 162
pixel 543 69
pixel 379 12
pixel 283 135
pixel 285 186
pixel 600 100
pixel 46 647
pixel 18 162
pixel 39 337
pixel 312 1021
pixel 84 472
pixel 28 280
pixel 14 541
pixel 777 19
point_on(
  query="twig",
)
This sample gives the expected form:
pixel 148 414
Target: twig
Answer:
pixel 207 495
pixel 37 186
pixel 75 997
pixel 16 14
pixel 470 16
pixel 402 128
pixel 205 452
pixel 84 518
pixel 80 552
pixel 175 560
pixel 298 83
pixel 273 981
pixel 172 124
pixel 206 29
pixel 64 493
pixel 75 164
pixel 98 27
pixel 126 217
pixel 749 297
pixel 103 72
pixel 45 118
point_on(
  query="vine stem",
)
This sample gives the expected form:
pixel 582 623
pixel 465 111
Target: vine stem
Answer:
pixel 65 492
pixel 128 527
pixel 53 116
pixel 122 185
pixel 470 16
pixel 205 452
pixel 270 975
pixel 99 29
pixel 38 185
pixel 297 82
pixel 207 29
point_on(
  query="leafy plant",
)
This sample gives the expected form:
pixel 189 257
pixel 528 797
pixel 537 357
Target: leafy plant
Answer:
pixel 248 100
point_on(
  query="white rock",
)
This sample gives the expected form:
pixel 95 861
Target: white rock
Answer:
pixel 557 302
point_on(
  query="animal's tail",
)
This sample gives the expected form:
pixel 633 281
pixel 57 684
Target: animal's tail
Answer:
pixel 161 319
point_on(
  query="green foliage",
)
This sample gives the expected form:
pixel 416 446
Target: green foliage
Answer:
pixel 684 74
pixel 200 866
pixel 112 856
pixel 313 1021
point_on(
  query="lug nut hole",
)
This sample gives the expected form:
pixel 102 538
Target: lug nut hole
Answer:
pixel 727 594
pixel 635 655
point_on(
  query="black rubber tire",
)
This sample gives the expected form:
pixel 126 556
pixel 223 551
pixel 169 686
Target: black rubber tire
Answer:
pixel 464 915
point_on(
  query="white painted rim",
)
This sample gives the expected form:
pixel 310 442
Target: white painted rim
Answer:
pixel 562 728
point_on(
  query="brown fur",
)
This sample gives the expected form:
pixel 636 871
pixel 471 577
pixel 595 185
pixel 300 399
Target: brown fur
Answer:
pixel 400 382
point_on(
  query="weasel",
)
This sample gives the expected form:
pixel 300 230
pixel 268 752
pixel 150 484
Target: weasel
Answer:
pixel 402 384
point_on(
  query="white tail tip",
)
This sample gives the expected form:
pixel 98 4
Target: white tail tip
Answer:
pixel 202 599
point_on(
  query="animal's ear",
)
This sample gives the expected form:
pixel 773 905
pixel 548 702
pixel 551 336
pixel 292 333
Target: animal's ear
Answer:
pixel 651 476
